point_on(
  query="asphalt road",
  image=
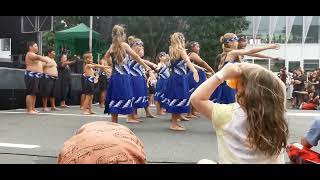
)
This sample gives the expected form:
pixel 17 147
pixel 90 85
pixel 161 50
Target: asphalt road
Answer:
pixel 48 131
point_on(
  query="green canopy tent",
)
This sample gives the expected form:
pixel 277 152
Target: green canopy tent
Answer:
pixel 76 39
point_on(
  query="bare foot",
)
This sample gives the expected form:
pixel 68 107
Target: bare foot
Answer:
pixel 196 114
pixel 191 116
pixel 178 127
pixel 138 120
pixel 136 117
pixel 182 118
pixel 32 113
pixel 35 110
pixel 86 113
pixel 92 112
pixel 64 106
pixel 46 109
pixel 161 113
pixel 132 121
pixel 101 106
pixel 150 116
pixel 55 109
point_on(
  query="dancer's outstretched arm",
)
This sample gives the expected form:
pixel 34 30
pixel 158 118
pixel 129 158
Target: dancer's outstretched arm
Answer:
pixel 197 59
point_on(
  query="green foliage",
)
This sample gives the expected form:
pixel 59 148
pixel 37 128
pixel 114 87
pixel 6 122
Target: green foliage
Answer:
pixel 155 31
pixel 207 30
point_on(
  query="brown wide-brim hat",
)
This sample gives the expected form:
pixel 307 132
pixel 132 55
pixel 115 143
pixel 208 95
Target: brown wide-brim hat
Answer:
pixel 103 143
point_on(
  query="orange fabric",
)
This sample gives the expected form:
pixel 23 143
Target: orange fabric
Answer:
pixel 103 143
pixel 233 83
pixel 309 106
pixel 302 155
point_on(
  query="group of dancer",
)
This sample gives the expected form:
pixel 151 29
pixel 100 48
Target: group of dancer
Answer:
pixel 179 73
pixel 245 102
pixel 247 108
pixel 46 78
pixel 124 76
pixel 127 87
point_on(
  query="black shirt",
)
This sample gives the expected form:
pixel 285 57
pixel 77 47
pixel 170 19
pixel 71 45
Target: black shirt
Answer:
pixel 299 87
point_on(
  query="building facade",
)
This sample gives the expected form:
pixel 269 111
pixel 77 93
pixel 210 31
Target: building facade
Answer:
pixel 299 37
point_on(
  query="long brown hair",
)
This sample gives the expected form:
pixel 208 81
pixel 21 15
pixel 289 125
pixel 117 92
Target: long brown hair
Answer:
pixel 264 101
pixel 118 36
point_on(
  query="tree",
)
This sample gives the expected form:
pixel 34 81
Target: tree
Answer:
pixel 207 30
pixel 64 22
pixel 48 40
pixel 155 31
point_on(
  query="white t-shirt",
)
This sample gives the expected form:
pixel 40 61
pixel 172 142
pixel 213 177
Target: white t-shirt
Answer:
pixel 230 123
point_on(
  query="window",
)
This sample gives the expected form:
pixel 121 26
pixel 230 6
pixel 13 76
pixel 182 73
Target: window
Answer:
pixel 293 65
pixel 313 33
pixel 248 60
pixel 249 30
pixel 279 35
pixel 5 44
pixel 296 32
pixel 263 30
pixel 262 62
pixel 276 65
pixel 310 65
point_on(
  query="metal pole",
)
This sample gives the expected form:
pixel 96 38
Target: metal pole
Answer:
pixel 253 30
pixel 90 34
pixel 39 34
pixel 302 42
pixel 285 47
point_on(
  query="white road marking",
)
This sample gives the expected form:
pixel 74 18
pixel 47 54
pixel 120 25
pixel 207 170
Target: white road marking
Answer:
pixel 25 146
pixel 304 114
pixel 57 114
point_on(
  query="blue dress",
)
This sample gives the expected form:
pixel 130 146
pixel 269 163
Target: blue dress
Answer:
pixel 139 85
pixel 193 85
pixel 224 94
pixel 119 95
pixel 177 91
pixel 162 82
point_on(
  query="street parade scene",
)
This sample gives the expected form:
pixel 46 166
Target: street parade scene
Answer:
pixel 159 90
